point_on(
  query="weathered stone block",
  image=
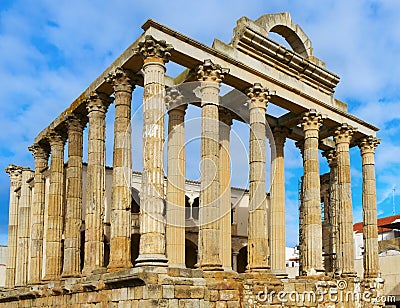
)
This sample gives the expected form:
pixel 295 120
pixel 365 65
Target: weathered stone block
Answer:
pixel 182 292
pixel 214 295
pixel 168 291
pixel 197 292
pixel 228 295
pixel 189 303
pixel 233 304
pixel 152 291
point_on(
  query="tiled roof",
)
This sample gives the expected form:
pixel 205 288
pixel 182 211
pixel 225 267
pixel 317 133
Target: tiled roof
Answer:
pixel 358 227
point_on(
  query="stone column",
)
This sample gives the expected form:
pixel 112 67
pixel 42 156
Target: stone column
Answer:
pixel 73 217
pixel 343 135
pixel 14 173
pixel 234 260
pixel 334 259
pixel 120 243
pixel 24 234
pixel 97 105
pixel 311 205
pixel 152 220
pixel 210 76
pixel 225 189
pixel 175 228
pixel 257 247
pixel 300 145
pixel 41 156
pixel 55 208
pixel 370 229
pixel 277 201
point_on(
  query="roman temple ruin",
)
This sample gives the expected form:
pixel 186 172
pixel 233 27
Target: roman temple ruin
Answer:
pixel 84 234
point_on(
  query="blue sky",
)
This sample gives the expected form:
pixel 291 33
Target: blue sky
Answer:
pixel 50 51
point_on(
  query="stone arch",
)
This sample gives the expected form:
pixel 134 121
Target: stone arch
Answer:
pixel 282 24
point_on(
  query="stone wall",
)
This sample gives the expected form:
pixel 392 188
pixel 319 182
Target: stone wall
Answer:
pixel 175 287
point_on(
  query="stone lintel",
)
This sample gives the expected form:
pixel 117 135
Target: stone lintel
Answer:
pixel 129 58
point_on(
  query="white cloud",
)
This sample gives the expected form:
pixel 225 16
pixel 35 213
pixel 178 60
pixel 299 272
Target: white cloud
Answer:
pixel 53 50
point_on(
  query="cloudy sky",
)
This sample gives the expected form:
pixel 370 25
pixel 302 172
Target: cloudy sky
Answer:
pixel 50 51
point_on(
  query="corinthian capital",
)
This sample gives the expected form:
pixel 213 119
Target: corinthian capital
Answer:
pixel 122 80
pixel 280 134
pixel 331 157
pixel 56 138
pixel 208 71
pixel 259 96
pixel 344 133
pixel 98 102
pixel 150 47
pixel 76 122
pixel 225 116
pixel 39 151
pixel 368 144
pixel 311 120
pixel 15 174
pixel 173 98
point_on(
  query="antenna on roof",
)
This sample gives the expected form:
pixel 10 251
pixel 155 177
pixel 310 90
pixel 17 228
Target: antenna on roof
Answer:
pixel 394 206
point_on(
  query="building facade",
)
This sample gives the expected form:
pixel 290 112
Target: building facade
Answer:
pixel 86 235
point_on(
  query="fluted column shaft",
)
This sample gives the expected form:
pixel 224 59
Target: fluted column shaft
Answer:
pixel 55 211
pixel 334 259
pixel 175 228
pixel 96 106
pixel 120 242
pixel 41 156
pixel 300 145
pixel 342 138
pixel 73 217
pixel 210 76
pixel 312 227
pixel 277 207
pixel 24 234
pixel 257 247
pixel 14 173
pixel 370 228
pixel 152 220
pixel 225 189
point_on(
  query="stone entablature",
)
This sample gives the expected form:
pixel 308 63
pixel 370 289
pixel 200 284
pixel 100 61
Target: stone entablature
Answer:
pixel 105 235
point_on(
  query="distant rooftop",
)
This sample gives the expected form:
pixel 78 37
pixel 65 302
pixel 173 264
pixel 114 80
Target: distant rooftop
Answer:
pixel 385 224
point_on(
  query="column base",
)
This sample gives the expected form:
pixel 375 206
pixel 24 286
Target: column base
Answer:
pixel 313 272
pixel 176 265
pixel 349 275
pixel 96 271
pixel 49 278
pixel 227 269
pixel 34 282
pixel 371 275
pixel 260 268
pixel 279 273
pixel 151 260
pixel 118 266
pixel 211 267
pixel 67 275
